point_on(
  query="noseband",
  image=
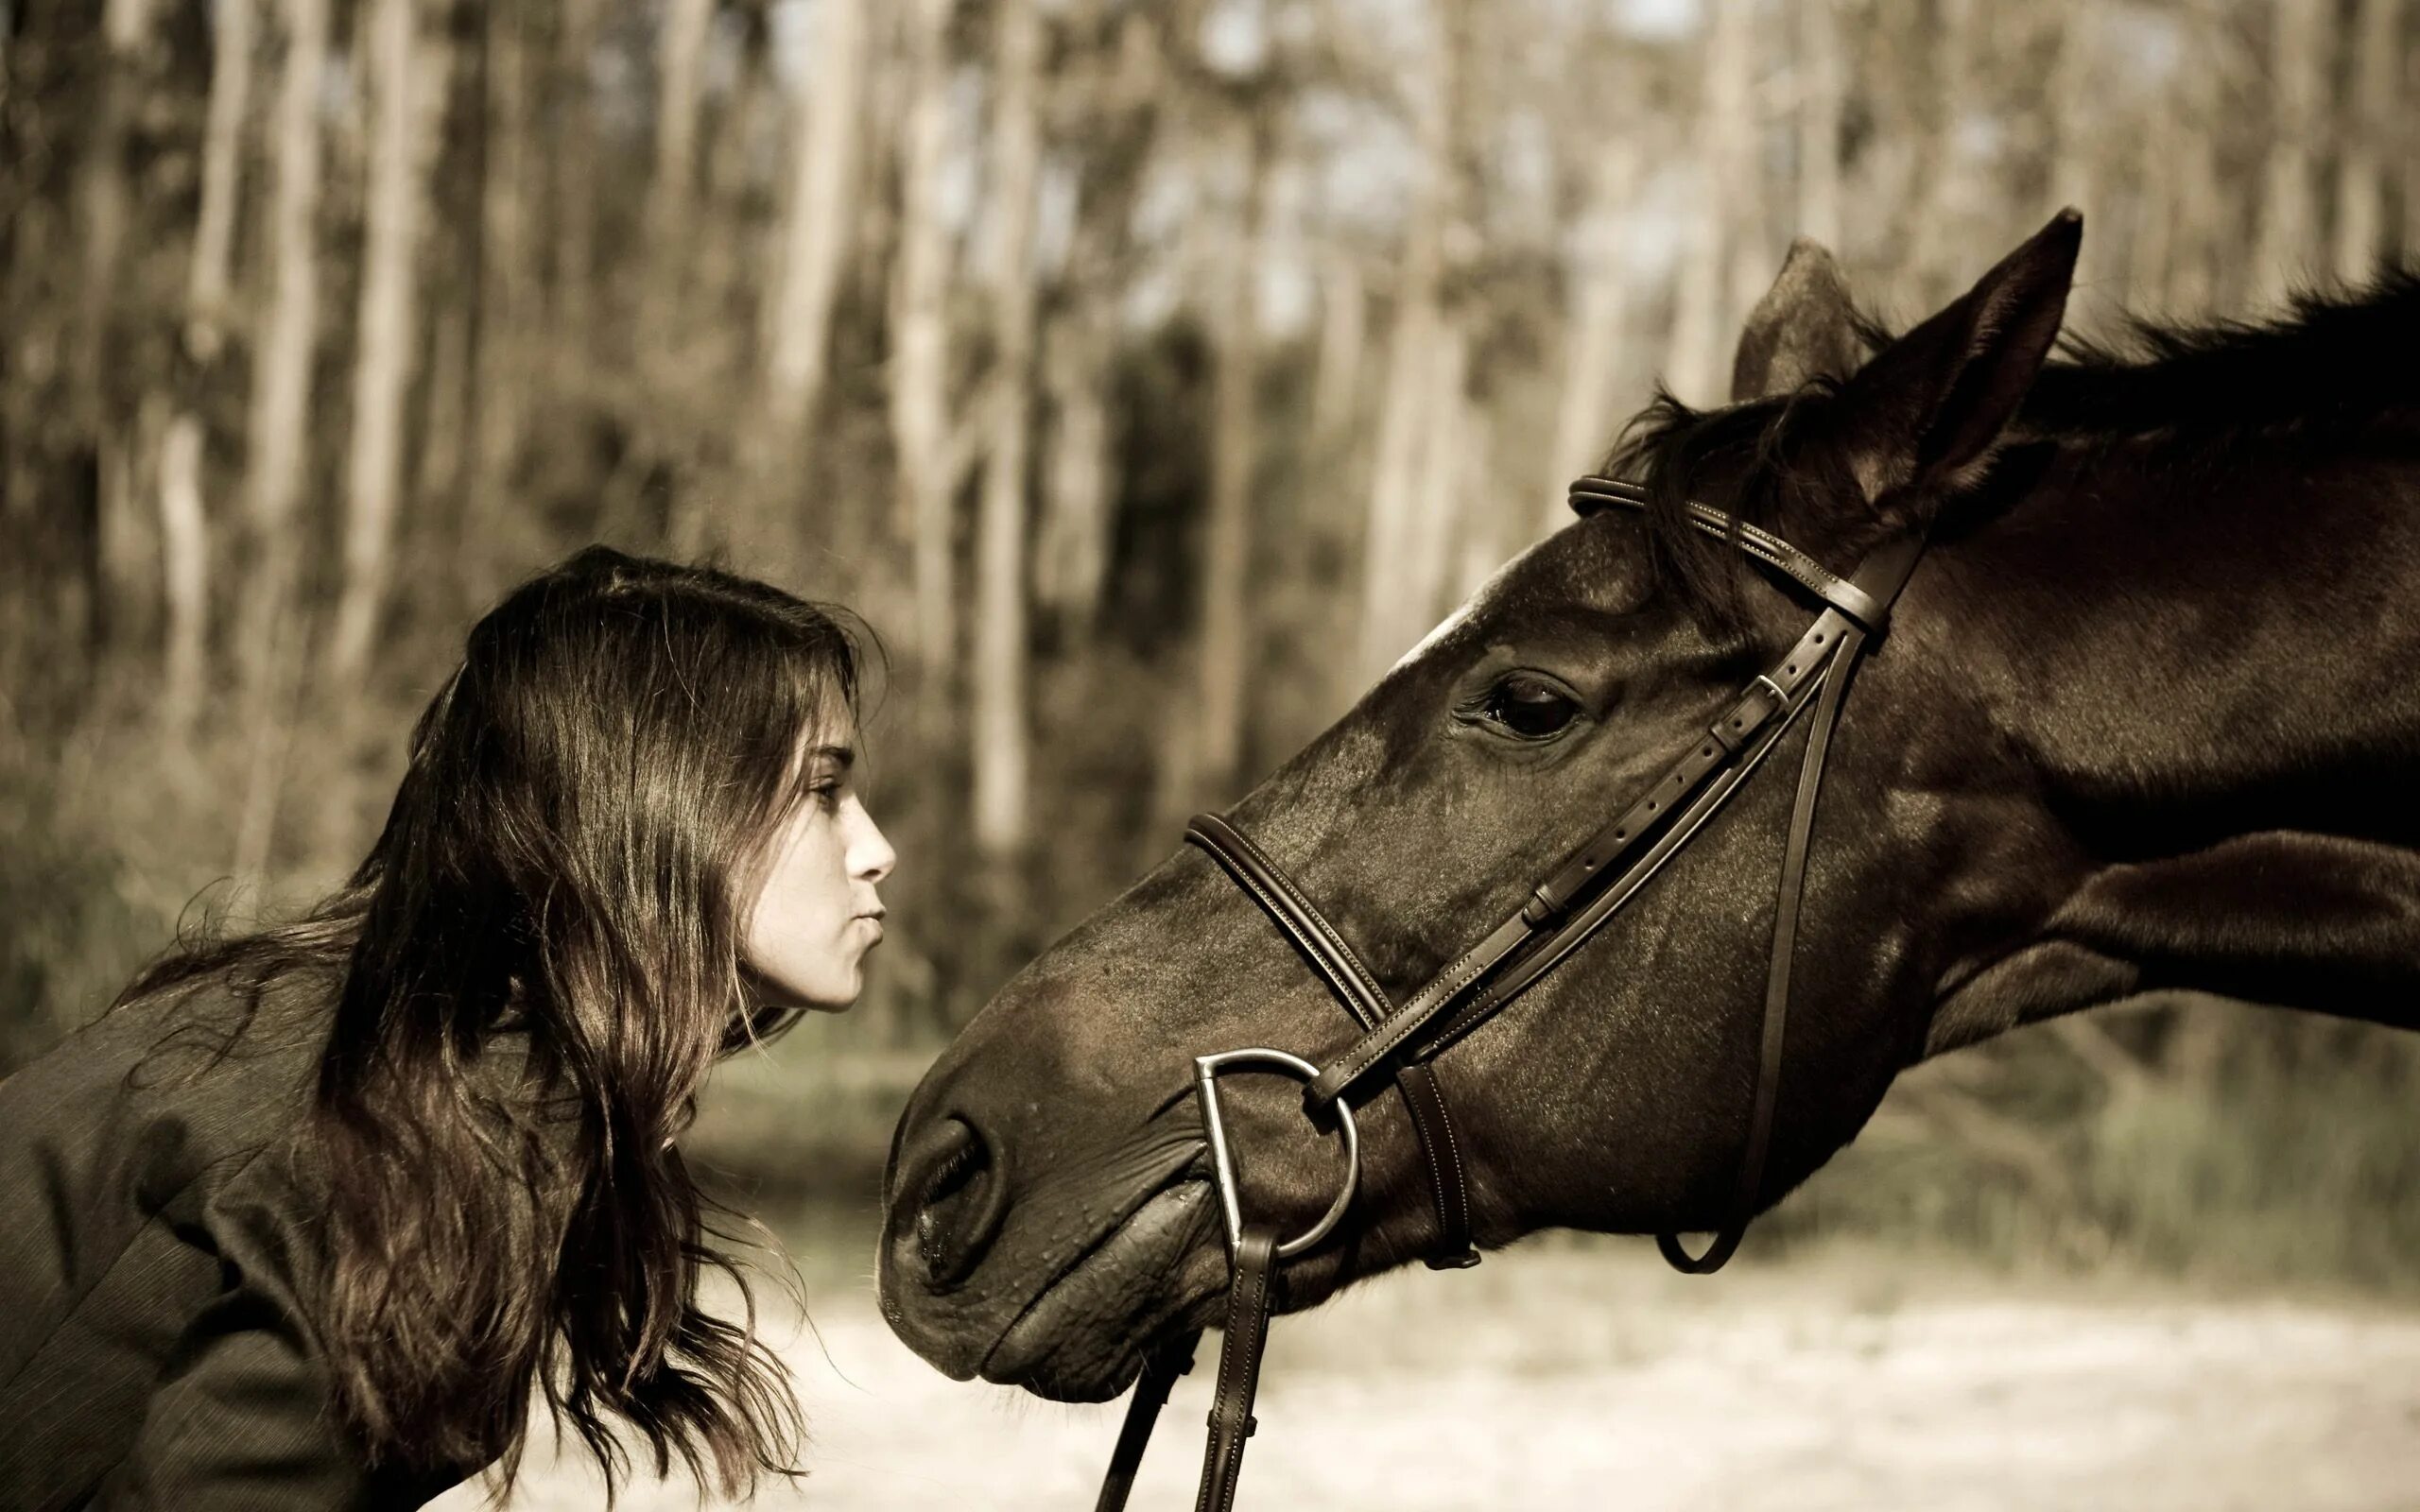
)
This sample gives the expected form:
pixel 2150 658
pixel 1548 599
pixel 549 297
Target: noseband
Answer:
pixel 1560 914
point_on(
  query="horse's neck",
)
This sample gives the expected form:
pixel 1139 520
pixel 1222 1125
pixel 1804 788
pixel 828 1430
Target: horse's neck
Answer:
pixel 2217 701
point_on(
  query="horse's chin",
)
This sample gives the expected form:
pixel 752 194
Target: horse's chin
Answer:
pixel 1083 1338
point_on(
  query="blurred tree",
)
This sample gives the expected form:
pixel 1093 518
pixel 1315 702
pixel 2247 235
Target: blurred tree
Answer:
pixel 104 405
pixel 570 126
pixel 2285 236
pixel 502 293
pixel 1721 259
pixel 1001 718
pixel 2361 180
pixel 2200 231
pixel 1940 224
pixel 925 445
pixel 1234 321
pixel 1414 482
pixel 407 77
pixel 1110 101
pixel 2078 109
pixel 185 524
pixel 1603 305
pixel 270 626
pixel 277 458
pixel 814 240
pixel 1823 88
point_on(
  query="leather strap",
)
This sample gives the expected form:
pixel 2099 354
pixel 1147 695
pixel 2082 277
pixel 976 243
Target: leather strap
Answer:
pixel 1785 948
pixel 1591 493
pixel 1249 1299
pixel 1542 924
pixel 1160 1372
pixel 1329 953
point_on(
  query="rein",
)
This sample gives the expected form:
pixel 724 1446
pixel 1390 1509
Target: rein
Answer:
pixel 1560 914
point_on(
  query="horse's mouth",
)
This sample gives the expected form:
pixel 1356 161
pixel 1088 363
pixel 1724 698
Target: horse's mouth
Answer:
pixel 1083 1337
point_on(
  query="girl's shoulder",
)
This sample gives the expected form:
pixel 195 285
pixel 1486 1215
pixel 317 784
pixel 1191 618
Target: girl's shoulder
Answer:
pixel 168 1087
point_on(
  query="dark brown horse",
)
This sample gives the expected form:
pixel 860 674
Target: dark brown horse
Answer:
pixel 2146 717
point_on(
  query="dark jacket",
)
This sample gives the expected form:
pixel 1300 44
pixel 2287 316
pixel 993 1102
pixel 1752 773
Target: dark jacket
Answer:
pixel 159 1239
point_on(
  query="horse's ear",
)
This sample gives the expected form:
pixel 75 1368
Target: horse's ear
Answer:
pixel 1936 399
pixel 1803 329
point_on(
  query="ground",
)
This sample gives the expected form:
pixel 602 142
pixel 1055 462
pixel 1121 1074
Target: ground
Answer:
pixel 1576 1374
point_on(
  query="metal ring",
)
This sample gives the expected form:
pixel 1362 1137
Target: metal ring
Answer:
pixel 1222 1165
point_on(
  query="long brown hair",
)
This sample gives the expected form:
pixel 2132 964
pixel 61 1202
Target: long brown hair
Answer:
pixel 540 961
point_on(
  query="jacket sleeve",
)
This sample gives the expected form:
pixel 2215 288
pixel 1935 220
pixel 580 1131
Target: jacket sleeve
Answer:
pixel 243 1417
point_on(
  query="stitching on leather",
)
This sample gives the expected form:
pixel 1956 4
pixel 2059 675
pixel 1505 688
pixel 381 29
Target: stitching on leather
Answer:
pixel 1304 929
pixel 1427 1106
pixel 1457 977
pixel 1293 928
pixel 1334 937
pixel 1239 1351
pixel 1461 1217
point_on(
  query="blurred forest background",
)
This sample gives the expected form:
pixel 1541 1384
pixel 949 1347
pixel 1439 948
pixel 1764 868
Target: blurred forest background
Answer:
pixel 1150 375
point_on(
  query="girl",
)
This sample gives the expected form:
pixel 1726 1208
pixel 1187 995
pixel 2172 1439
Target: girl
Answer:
pixel 307 1216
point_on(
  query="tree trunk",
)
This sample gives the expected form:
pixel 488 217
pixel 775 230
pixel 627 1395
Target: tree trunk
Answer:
pixel 919 393
pixel 276 452
pixel 104 412
pixel 505 294
pixel 1443 495
pixel 1940 209
pixel 2202 240
pixel 2151 251
pixel 2078 127
pixel 184 553
pixel 1492 529
pixel 2407 141
pixel 1823 83
pixel 2370 137
pixel 1584 418
pixel 184 530
pixel 1395 605
pixel 1235 341
pixel 680 66
pixel 232 38
pixel 1336 384
pixel 408 93
pixel 1001 757
pixel 1071 553
pixel 817 227
pixel 1711 266
pixel 572 154
pixel 1115 89
pixel 2286 239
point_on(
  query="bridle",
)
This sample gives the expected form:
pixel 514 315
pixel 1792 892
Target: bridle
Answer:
pixel 1560 914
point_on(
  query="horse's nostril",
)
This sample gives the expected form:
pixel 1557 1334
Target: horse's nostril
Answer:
pixel 959 1203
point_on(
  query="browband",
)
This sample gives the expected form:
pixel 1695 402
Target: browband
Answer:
pixel 1591 493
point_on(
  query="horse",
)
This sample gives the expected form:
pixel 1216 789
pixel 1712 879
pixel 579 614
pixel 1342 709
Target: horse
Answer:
pixel 2143 721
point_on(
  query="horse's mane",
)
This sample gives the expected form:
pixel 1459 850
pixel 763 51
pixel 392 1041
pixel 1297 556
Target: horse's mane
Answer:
pixel 2337 366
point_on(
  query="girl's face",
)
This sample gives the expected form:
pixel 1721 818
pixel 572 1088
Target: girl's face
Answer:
pixel 815 913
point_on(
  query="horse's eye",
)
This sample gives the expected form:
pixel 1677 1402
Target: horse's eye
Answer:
pixel 1530 708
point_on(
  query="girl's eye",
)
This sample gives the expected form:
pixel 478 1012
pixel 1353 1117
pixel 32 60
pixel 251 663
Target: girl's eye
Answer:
pixel 827 796
pixel 1529 708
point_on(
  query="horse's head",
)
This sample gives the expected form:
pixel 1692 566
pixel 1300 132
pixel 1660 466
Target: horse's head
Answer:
pixel 1048 1212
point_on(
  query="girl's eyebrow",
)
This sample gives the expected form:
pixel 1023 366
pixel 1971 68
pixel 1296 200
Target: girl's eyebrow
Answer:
pixel 841 756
